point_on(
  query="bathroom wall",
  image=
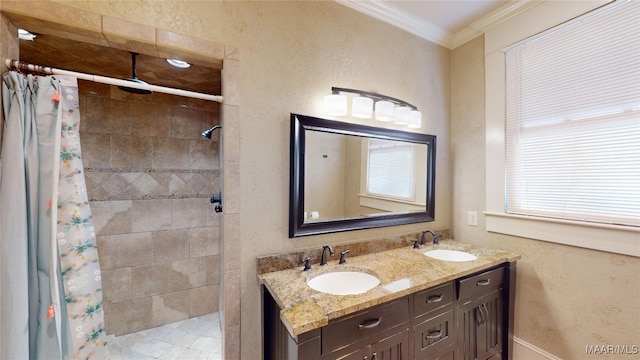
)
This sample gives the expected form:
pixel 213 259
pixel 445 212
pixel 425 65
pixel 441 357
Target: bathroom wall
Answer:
pixel 149 175
pixel 567 297
pixel 288 66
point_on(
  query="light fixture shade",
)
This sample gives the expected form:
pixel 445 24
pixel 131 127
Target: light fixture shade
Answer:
pixel 384 110
pixel 362 107
pixel 335 105
pixel 415 119
pixel 401 115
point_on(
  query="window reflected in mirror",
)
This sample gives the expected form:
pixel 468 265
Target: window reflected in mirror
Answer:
pixel 347 176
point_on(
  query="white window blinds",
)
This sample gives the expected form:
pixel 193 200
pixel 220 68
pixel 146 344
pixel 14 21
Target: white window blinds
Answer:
pixel 573 119
pixel 391 169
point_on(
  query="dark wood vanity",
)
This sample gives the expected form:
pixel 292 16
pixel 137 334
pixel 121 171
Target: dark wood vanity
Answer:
pixel 467 318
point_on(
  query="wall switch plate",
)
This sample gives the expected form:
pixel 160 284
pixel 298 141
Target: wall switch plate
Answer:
pixel 472 218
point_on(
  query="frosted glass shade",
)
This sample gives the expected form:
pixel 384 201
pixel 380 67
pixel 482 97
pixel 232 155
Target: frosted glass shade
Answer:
pixel 384 110
pixel 415 119
pixel 335 105
pixel 362 107
pixel 401 115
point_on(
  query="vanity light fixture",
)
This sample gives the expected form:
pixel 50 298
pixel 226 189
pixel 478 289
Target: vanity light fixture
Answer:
pixel 25 35
pixel 362 106
pixel 179 63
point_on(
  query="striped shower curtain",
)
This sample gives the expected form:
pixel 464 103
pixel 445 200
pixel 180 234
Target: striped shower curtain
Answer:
pixel 50 288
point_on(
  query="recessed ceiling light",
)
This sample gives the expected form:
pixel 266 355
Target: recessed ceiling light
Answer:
pixel 178 63
pixel 25 35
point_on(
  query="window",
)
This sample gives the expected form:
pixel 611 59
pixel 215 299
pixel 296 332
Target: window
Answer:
pixel 391 169
pixel 531 24
pixel 573 120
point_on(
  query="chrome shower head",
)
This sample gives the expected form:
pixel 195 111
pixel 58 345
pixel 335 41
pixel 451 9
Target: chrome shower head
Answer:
pixel 207 133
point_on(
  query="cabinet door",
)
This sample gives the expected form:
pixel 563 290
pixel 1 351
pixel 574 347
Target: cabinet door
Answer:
pixel 490 329
pixel 468 318
pixel 395 347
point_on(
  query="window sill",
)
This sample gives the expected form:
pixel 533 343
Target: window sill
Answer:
pixel 392 205
pixel 611 238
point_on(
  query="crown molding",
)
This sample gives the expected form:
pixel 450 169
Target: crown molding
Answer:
pixel 382 11
pixel 405 21
pixel 492 19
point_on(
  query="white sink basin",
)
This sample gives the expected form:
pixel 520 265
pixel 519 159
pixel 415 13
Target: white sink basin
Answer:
pixel 450 255
pixel 344 282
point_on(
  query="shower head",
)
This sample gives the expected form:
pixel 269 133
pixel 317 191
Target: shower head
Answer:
pixel 207 133
pixel 135 79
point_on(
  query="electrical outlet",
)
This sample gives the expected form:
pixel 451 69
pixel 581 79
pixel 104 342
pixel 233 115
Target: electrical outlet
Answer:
pixel 472 218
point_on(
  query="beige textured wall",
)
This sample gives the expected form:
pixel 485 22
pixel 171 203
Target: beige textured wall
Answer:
pixel 567 297
pixel 292 53
pixel 149 175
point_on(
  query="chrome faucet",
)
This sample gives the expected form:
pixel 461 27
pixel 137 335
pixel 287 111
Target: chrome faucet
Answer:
pixel 423 239
pixel 323 259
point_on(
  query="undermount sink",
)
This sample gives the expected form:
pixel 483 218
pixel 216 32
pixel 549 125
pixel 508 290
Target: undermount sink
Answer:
pixel 450 255
pixel 343 282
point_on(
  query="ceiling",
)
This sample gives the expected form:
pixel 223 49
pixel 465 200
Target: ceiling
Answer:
pixel 88 58
pixel 445 22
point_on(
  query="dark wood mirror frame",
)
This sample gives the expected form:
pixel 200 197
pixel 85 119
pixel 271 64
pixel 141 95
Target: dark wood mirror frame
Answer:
pixel 297 225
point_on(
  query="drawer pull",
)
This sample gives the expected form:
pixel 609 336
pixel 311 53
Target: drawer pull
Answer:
pixel 434 334
pixel 435 298
pixel 484 282
pixel 370 324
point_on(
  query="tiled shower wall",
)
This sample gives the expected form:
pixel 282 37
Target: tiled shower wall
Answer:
pixel 149 176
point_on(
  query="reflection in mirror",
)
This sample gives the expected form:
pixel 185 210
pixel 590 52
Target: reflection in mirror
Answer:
pixel 348 176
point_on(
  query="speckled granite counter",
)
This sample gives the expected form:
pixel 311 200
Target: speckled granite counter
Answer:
pixel 401 272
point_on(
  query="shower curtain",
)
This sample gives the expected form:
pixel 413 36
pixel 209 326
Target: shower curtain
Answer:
pixel 50 288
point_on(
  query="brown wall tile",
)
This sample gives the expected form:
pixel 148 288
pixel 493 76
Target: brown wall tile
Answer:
pixel 150 119
pixel 157 279
pixel 189 213
pixel 169 153
pixel 131 152
pixel 96 150
pixel 204 155
pixel 203 300
pixel 128 316
pixel 170 245
pixel 204 241
pixel 151 215
pixel 116 285
pixel 189 123
pixel 131 249
pixel 170 308
pixel 111 217
pixel 107 116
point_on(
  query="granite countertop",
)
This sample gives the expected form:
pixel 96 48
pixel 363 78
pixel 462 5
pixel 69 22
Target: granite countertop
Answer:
pixel 401 272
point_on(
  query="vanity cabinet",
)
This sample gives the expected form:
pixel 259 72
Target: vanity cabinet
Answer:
pixel 480 315
pixel 465 319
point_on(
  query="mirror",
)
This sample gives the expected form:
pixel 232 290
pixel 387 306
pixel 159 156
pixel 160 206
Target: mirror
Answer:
pixel 348 176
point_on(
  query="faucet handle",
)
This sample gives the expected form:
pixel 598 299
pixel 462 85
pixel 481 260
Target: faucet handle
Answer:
pixel 307 263
pixel 343 256
pixel 416 244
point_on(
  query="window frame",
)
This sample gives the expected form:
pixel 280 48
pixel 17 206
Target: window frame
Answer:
pixel 610 238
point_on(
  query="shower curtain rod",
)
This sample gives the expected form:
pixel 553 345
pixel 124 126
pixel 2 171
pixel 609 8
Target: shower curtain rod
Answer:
pixel 39 69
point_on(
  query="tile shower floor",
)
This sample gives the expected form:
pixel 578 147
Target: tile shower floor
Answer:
pixel 195 338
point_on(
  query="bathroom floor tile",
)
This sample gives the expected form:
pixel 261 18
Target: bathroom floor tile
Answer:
pixel 196 338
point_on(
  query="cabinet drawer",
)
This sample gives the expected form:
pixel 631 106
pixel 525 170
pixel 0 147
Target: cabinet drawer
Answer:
pixel 431 299
pixel 365 324
pixel 434 335
pixel 480 283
